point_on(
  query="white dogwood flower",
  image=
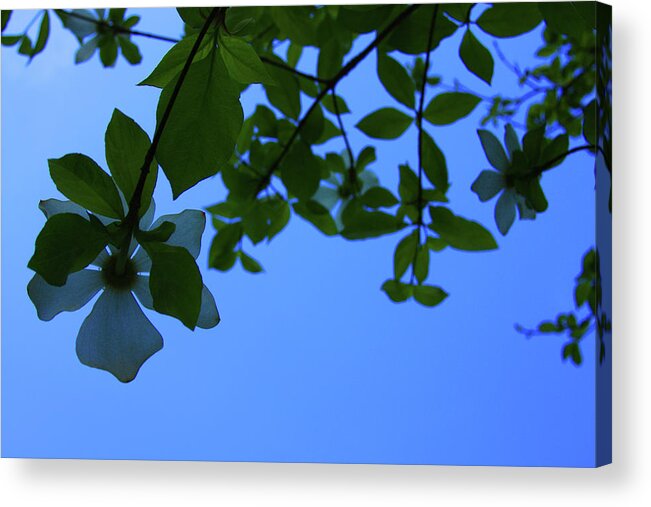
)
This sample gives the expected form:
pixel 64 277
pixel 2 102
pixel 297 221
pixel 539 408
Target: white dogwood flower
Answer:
pixel 117 336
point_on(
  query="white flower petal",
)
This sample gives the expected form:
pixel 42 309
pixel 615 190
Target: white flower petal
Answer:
pixel 51 207
pixel 116 336
pixel 78 290
pixel 142 292
pixel 208 315
pixel 141 261
pixel 189 228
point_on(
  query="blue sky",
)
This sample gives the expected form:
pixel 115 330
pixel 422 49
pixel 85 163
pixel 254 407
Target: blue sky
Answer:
pixel 311 361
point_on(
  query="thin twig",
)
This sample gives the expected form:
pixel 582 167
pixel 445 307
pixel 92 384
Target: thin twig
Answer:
pixel 352 173
pixel 116 28
pixel 288 68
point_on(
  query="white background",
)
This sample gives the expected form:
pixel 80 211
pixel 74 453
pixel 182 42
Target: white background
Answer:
pixel 626 482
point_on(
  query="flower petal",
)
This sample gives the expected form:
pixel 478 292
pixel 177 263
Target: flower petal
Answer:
pixel 78 290
pixel 190 224
pixel 51 207
pixel 116 336
pixel 208 314
pixel 189 229
pixel 487 185
pixel 101 259
pixel 505 211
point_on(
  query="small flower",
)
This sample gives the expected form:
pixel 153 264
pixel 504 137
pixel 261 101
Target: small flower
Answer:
pixel 117 336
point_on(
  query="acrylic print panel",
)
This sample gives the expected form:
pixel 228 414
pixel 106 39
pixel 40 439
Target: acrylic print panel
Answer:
pixel 364 234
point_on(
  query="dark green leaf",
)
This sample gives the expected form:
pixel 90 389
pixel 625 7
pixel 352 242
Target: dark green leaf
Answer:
pixel 590 122
pixel 313 126
pixel 175 282
pixel 429 295
pixel 408 188
pixel 203 126
pixel 476 57
pixel 411 35
pixel 434 164
pixel 249 263
pixel 397 291
pixel 108 51
pixel 286 94
pixel 378 197
pixel 172 63
pixel 404 254
pixel 569 18
pixel 555 149
pixel 300 172
pixel 67 243
pixel 331 58
pixel 449 107
pixel 329 103
pixel 81 180
pixel 160 234
pixel 460 233
pixel 6 15
pixel 421 264
pixel 126 147
pixel 385 123
pixel 242 62
pixel 318 215
pixel 129 50
pixel 511 139
pixel 360 224
pixel 510 19
pixel 395 80
pixel 222 255
pixel 43 34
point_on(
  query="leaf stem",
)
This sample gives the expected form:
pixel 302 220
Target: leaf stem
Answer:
pixel 550 163
pixel 284 66
pixel 352 173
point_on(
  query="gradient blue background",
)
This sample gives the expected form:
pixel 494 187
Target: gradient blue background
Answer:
pixel 311 362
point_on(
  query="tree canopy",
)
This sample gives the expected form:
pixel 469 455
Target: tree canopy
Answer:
pixel 104 238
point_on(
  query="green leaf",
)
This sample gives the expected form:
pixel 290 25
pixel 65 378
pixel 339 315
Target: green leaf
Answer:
pixel 126 147
pixel 378 197
pixel 449 107
pixel 421 263
pixel 160 234
pixel 429 295
pixel 532 143
pixel 459 232
pixel 385 123
pixel 222 255
pixel 331 57
pixel 569 18
pixel 396 80
pixel 174 60
pixel 203 126
pixel 408 188
pixel 249 263
pixel 397 291
pixel 476 57
pixel 590 122
pixel 313 126
pixel 300 172
pixel 434 164
pixel 108 51
pixel 242 62
pixel 487 185
pixel 175 282
pixel 572 351
pixel 193 16
pixel 66 244
pixel 404 254
pixel 510 19
pixel 555 149
pixel 10 40
pixel 493 150
pixel 318 215
pixel 286 94
pixel 43 34
pixel 411 36
pixel 129 50
pixel 329 103
pixel 295 23
pixel 81 180
pixel 6 15
pixel 535 195
pixel 360 224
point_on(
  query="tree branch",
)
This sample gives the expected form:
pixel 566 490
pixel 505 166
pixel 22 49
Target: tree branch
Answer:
pixel 288 68
pixel 116 28
pixel 352 173
pixel 131 220
pixel 332 83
